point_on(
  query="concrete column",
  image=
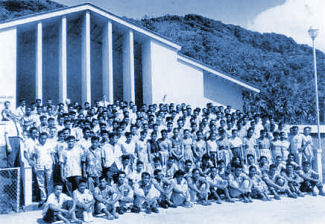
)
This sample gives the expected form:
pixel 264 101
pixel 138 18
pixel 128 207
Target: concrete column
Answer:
pixel 63 60
pixel 85 59
pixel 147 72
pixel 39 61
pixel 128 67
pixel 108 62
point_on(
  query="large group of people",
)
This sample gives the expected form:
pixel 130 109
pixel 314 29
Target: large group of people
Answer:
pixel 115 158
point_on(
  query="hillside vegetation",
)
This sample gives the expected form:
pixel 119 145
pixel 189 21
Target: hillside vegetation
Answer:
pixel 276 64
pixel 10 9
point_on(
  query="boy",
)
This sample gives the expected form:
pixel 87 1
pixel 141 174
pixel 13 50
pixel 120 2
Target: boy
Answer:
pixel 43 156
pixel 165 146
pixel 308 153
pixel 293 179
pixel 146 194
pixel 165 187
pixel 106 197
pixel 59 206
pixel 310 180
pixel 126 194
pixel 71 164
pixel 180 193
pixel 218 185
pixel 84 202
pixel 112 154
pixel 198 188
pixel 297 144
pixel 259 187
pixel 276 183
pixel 171 168
pixel 240 185
pixel 93 163
pixel 135 176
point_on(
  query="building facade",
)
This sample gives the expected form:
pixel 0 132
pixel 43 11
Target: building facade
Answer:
pixel 83 53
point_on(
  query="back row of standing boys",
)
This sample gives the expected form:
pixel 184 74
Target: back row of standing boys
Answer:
pixel 159 155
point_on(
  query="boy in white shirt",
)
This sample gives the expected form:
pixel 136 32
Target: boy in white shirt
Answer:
pixel 71 160
pixel 43 156
pixel 59 207
pixel 84 202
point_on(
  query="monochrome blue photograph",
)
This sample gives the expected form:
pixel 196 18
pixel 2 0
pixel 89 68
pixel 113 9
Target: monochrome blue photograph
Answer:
pixel 162 111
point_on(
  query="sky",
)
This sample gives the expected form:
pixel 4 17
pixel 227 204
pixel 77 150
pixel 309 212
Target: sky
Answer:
pixel 290 17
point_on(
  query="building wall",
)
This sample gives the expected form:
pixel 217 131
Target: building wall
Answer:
pixel 166 81
pixel 222 91
pixel 174 80
pixel 8 67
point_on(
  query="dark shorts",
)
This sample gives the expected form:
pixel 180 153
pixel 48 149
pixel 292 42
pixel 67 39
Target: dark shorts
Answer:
pixel 308 186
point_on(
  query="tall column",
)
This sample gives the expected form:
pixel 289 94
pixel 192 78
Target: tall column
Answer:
pixel 39 61
pixel 85 59
pixel 146 72
pixel 108 61
pixel 128 67
pixel 63 60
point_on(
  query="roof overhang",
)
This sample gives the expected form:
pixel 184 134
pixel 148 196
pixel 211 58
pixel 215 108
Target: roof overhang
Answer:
pixel 87 6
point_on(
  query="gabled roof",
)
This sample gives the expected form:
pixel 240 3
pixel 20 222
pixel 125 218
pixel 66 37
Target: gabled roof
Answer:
pixel 82 7
pixel 88 6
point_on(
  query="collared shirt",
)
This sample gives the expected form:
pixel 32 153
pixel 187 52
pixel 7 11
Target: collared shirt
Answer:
pixel 53 200
pixel 43 157
pixel 110 154
pixel 94 162
pixel 28 146
pixel 71 160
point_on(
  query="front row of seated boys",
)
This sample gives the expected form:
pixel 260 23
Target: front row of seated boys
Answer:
pixel 148 192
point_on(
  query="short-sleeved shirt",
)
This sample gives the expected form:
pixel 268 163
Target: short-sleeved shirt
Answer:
pixel 106 193
pixel 110 154
pixel 71 160
pixel 53 200
pixel 94 162
pixel 43 156
pixel 84 197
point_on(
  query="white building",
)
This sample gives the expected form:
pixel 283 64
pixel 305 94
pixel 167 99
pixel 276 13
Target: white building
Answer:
pixel 83 53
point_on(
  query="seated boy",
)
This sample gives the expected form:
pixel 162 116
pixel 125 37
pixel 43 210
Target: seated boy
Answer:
pixel 198 188
pixel 293 179
pixel 84 202
pixel 126 193
pixel 106 198
pixel 180 193
pixel 146 194
pixel 276 183
pixel 240 185
pixel 217 185
pixel 59 206
pixel 310 180
pixel 164 186
pixel 259 187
